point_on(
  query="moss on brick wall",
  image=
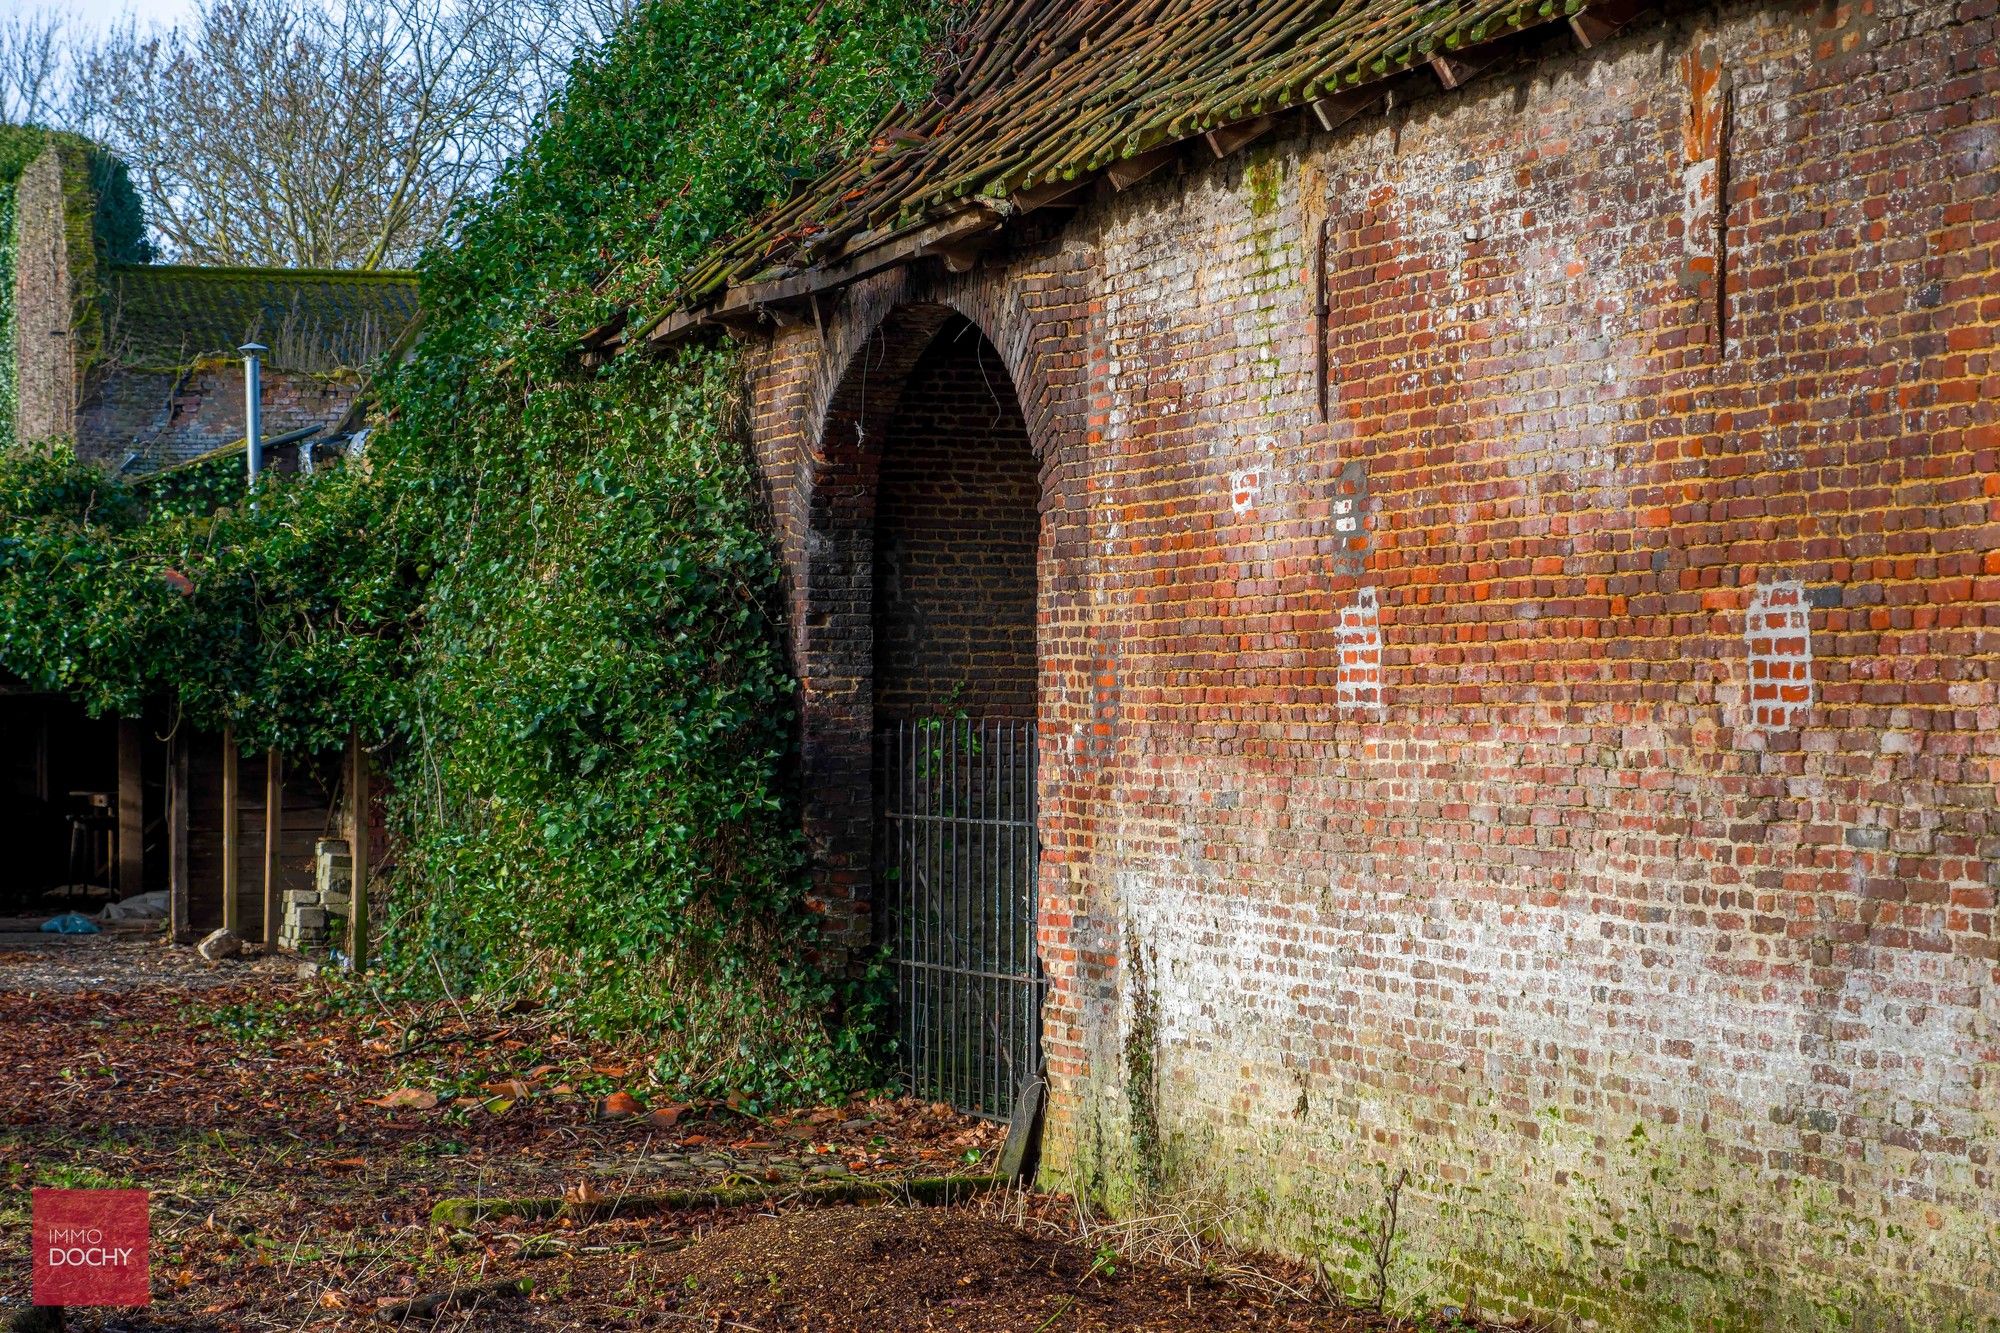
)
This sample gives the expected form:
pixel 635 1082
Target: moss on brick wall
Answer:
pixel 98 217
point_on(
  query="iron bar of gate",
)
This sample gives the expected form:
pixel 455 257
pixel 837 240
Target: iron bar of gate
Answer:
pixel 957 851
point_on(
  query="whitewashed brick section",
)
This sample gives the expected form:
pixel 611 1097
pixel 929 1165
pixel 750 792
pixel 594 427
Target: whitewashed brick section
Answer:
pixel 1778 633
pixel 1244 487
pixel 1358 681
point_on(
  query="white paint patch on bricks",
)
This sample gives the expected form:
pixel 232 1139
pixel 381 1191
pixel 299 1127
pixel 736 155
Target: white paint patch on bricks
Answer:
pixel 1777 630
pixel 1358 679
pixel 1244 488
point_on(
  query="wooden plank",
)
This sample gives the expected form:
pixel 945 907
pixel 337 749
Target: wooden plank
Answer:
pixel 232 915
pixel 131 810
pixel 1055 194
pixel 1333 112
pixel 1455 73
pixel 357 846
pixel 1124 175
pixel 1228 138
pixel 178 925
pixel 743 306
pixel 1599 22
pixel 274 827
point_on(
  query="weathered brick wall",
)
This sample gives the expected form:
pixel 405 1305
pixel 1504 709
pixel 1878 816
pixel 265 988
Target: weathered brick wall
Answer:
pixel 160 417
pixel 956 521
pixel 1568 772
pixel 45 351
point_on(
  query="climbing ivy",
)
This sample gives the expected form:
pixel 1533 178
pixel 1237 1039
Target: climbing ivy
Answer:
pixel 549 595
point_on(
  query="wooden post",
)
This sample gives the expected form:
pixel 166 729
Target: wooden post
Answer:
pixel 232 916
pixel 131 811
pixel 274 825
pixel 178 924
pixel 357 847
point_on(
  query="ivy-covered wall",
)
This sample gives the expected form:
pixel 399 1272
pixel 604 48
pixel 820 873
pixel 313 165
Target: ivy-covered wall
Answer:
pixel 548 598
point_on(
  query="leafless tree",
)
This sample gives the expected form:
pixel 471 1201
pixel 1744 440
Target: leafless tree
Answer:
pixel 292 132
pixel 33 54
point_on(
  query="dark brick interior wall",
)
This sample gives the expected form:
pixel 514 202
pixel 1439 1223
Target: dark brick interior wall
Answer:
pixel 955 534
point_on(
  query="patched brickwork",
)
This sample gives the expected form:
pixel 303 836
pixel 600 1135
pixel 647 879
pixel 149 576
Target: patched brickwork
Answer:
pixel 1358 678
pixel 1777 642
pixel 1678 1019
pixel 956 525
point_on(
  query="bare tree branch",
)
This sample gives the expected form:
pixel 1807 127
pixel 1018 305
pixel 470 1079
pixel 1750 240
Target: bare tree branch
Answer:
pixel 288 132
pixel 33 54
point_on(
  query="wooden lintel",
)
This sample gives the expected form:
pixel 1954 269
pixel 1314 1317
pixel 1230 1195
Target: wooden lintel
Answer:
pixel 1454 73
pixel 1600 21
pixel 1333 112
pixel 1226 139
pixel 1124 175
pixel 1055 194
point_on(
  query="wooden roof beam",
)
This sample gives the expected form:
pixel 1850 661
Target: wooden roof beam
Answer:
pixel 1124 175
pixel 606 333
pixel 1333 112
pixel 1600 21
pixel 1226 139
pixel 1055 194
pixel 1454 73
pixel 748 304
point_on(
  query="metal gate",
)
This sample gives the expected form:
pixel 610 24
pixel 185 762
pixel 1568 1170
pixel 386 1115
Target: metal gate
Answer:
pixel 958 853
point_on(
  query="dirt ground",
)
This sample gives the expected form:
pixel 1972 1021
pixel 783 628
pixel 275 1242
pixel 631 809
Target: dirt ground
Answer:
pixel 294 1151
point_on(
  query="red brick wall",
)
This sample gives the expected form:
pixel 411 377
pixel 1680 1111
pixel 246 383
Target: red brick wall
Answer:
pixel 955 532
pixel 1678 1004
pixel 164 417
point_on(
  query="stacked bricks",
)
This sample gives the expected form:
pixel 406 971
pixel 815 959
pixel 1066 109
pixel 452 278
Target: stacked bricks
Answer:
pixel 1680 1014
pixel 312 915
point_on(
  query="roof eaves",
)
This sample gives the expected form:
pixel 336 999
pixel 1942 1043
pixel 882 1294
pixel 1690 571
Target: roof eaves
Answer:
pixel 876 210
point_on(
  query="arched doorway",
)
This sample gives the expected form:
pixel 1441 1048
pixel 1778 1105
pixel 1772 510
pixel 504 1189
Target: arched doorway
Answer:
pixel 953 618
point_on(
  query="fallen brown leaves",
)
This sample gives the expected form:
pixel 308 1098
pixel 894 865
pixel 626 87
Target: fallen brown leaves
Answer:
pixel 294 1153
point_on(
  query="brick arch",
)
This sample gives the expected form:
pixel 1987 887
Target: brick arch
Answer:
pixel 886 325
pixel 872 349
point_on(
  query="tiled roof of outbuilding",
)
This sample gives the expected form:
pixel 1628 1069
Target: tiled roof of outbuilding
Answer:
pixel 168 315
pixel 1053 93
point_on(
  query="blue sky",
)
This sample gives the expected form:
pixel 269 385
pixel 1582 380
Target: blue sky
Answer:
pixel 99 14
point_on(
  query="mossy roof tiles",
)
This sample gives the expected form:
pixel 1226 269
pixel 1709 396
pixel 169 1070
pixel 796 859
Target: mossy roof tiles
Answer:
pixel 170 315
pixel 1051 91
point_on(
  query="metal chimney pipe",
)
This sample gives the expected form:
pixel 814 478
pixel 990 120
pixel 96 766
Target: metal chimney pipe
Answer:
pixel 253 408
